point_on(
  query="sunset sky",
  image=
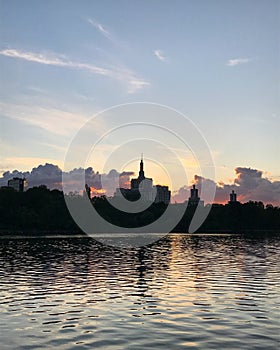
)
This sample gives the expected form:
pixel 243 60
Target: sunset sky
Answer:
pixel 216 62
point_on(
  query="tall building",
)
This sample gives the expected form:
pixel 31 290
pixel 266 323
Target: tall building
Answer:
pixel 194 199
pixel 163 195
pixel 139 181
pixel 17 183
pixel 144 185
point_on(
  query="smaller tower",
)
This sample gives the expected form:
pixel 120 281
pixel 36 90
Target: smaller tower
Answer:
pixel 194 199
pixel 18 184
pixel 88 190
pixel 232 197
pixel 194 193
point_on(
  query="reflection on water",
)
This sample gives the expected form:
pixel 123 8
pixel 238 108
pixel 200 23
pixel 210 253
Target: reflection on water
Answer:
pixel 197 292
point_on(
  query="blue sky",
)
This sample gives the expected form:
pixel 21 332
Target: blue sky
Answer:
pixel 217 62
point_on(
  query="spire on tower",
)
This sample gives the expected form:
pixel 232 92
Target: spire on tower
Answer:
pixel 141 172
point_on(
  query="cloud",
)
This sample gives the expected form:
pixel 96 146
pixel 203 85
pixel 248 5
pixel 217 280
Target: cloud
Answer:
pixel 54 60
pixel 249 184
pixel 135 85
pixel 237 61
pixel 100 27
pixel 252 185
pixel 54 120
pixel 51 176
pixel 181 195
pixel 48 174
pixel 125 179
pixel 23 162
pixel 120 74
pixel 159 54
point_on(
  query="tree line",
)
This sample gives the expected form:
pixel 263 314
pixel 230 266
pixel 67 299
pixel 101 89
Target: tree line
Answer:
pixel 41 210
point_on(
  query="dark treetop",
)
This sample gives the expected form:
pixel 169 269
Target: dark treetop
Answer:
pixel 40 210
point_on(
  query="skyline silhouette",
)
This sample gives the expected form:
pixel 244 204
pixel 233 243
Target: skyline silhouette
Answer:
pixel 249 184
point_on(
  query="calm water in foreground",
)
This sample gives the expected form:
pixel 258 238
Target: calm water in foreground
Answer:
pixel 182 292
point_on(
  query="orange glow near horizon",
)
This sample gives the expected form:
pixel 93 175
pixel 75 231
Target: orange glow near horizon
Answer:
pixel 97 192
pixel 162 175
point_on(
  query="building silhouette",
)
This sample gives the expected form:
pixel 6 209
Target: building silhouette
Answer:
pixel 88 191
pixel 233 197
pixel 194 200
pixel 135 183
pixel 144 185
pixel 17 184
pixel 163 194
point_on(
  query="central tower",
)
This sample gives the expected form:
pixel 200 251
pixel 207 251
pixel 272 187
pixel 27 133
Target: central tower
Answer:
pixel 141 171
pixel 147 182
pixel 143 186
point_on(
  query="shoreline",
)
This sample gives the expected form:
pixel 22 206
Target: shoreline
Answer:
pixel 64 233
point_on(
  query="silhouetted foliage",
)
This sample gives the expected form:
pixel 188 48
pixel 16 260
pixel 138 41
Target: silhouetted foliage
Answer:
pixel 42 210
pixel 36 209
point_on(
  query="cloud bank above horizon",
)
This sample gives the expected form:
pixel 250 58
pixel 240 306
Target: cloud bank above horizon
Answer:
pixel 249 184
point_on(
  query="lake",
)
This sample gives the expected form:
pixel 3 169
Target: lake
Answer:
pixel 180 292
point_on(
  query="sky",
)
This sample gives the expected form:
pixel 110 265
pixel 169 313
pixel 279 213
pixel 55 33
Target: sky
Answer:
pixel 216 62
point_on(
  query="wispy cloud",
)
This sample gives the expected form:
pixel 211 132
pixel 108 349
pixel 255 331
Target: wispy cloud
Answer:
pixel 129 77
pixel 159 54
pixel 101 28
pixel 134 82
pixel 55 60
pixel 237 61
pixel 135 85
pixel 54 120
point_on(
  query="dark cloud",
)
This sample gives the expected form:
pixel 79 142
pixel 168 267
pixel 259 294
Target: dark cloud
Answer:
pixel 253 186
pixel 125 179
pixel 51 176
pixel 181 195
pixel 249 184
pixel 47 174
pixel 222 190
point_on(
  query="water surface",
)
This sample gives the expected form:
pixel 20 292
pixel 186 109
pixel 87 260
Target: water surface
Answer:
pixel 181 292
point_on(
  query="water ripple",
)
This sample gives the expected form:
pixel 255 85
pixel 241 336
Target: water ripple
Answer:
pixel 196 292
